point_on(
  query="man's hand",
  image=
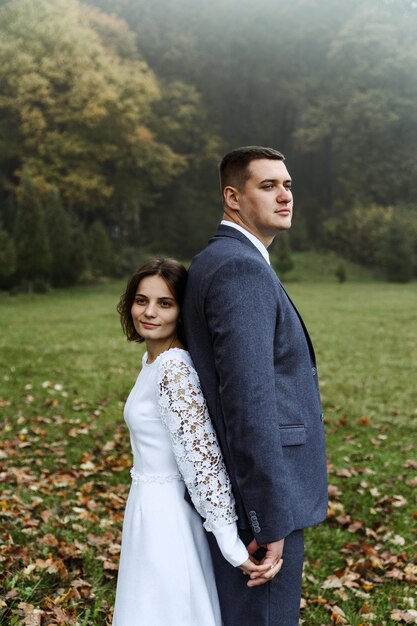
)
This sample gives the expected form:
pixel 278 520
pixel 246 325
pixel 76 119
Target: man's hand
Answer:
pixel 272 560
pixel 263 572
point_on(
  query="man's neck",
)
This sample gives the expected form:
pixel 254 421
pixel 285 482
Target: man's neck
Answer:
pixel 255 240
pixel 264 241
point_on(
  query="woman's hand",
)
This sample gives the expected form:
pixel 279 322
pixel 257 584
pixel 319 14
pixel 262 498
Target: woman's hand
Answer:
pixel 260 573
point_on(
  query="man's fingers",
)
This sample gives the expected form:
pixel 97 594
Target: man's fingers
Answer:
pixel 264 570
pixel 257 579
pixel 267 567
pixel 267 571
pixel 252 547
pixel 274 552
pixel 251 565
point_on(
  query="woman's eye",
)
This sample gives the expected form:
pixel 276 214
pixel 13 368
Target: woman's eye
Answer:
pixel 140 301
pixel 165 304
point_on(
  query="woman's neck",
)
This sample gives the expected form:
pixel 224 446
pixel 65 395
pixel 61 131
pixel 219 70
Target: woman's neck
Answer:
pixel 155 348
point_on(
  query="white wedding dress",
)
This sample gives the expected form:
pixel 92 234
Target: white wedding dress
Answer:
pixel 165 572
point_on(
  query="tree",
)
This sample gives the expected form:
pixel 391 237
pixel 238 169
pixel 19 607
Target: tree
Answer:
pixel 100 252
pixel 76 107
pixel 396 255
pixel 361 124
pixel 281 257
pixel 340 273
pixel 67 256
pixel 31 237
pixel 407 220
pixel 7 257
pixel 129 124
pixel 187 209
pixel 356 234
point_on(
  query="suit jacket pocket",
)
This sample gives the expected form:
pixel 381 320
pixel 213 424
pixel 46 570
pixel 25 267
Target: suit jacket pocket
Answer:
pixel 294 435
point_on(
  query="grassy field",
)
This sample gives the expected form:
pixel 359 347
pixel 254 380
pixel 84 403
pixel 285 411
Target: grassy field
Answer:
pixel 65 371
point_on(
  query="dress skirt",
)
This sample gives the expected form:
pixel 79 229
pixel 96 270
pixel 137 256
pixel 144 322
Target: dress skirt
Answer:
pixel 165 572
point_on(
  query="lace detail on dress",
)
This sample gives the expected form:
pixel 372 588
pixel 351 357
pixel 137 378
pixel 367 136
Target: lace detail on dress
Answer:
pixel 161 355
pixel 194 442
pixel 153 478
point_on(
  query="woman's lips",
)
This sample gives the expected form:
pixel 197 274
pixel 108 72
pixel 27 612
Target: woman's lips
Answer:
pixel 149 325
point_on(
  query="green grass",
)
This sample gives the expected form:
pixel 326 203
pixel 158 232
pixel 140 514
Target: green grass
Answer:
pixel 313 266
pixel 65 373
pixel 365 337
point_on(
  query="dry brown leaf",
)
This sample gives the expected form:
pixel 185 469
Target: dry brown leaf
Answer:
pixel 48 540
pixel 334 492
pixel 398 501
pixel 345 473
pixel 33 619
pixel 395 574
pixel 408 617
pixel 337 615
pixel 355 526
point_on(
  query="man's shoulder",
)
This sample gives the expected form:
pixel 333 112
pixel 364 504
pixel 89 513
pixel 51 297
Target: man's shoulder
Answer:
pixel 231 270
pixel 227 251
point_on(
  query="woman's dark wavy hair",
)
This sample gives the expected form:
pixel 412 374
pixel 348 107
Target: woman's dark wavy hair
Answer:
pixel 175 276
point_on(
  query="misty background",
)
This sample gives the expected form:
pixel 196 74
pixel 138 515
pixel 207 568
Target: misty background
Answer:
pixel 115 113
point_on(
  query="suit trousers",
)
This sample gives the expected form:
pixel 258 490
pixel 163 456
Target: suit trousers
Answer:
pixel 276 603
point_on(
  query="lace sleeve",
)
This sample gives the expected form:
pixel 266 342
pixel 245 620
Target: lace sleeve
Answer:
pixel 194 443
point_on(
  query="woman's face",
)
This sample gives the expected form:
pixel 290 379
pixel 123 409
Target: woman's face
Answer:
pixel 155 311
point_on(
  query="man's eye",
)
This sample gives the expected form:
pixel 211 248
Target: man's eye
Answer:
pixel 267 187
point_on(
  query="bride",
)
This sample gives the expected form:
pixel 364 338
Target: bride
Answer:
pixel 165 574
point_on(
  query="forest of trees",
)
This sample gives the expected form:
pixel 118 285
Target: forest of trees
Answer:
pixel 114 114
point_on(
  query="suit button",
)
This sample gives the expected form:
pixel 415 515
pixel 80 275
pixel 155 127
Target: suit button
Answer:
pixel 322 417
pixel 313 371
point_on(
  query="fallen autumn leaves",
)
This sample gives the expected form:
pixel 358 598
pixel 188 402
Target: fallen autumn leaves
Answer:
pixel 368 561
pixel 60 524
pixel 65 481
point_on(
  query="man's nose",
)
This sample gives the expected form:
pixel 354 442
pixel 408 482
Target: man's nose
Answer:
pixel 284 194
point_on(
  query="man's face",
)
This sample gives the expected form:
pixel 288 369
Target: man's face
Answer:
pixel 265 203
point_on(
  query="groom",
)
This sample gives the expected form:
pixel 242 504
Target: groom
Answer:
pixel 258 372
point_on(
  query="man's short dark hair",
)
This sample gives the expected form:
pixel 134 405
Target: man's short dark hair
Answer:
pixel 234 166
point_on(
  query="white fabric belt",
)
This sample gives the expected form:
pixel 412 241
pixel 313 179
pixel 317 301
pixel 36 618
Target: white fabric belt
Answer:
pixel 153 478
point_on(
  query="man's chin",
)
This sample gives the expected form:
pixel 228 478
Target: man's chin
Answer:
pixel 285 225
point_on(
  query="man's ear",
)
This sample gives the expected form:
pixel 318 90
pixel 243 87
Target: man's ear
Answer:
pixel 231 198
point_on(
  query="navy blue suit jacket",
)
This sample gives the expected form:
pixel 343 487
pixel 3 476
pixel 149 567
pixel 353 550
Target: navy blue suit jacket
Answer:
pixel 258 373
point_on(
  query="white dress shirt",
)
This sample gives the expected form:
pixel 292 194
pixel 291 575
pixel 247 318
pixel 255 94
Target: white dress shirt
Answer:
pixel 256 242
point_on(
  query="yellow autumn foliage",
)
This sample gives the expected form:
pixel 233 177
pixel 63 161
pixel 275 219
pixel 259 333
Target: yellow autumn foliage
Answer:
pixel 77 103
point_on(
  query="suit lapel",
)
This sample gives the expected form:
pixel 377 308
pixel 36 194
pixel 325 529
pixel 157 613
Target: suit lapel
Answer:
pixel 229 231
pixel 310 343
